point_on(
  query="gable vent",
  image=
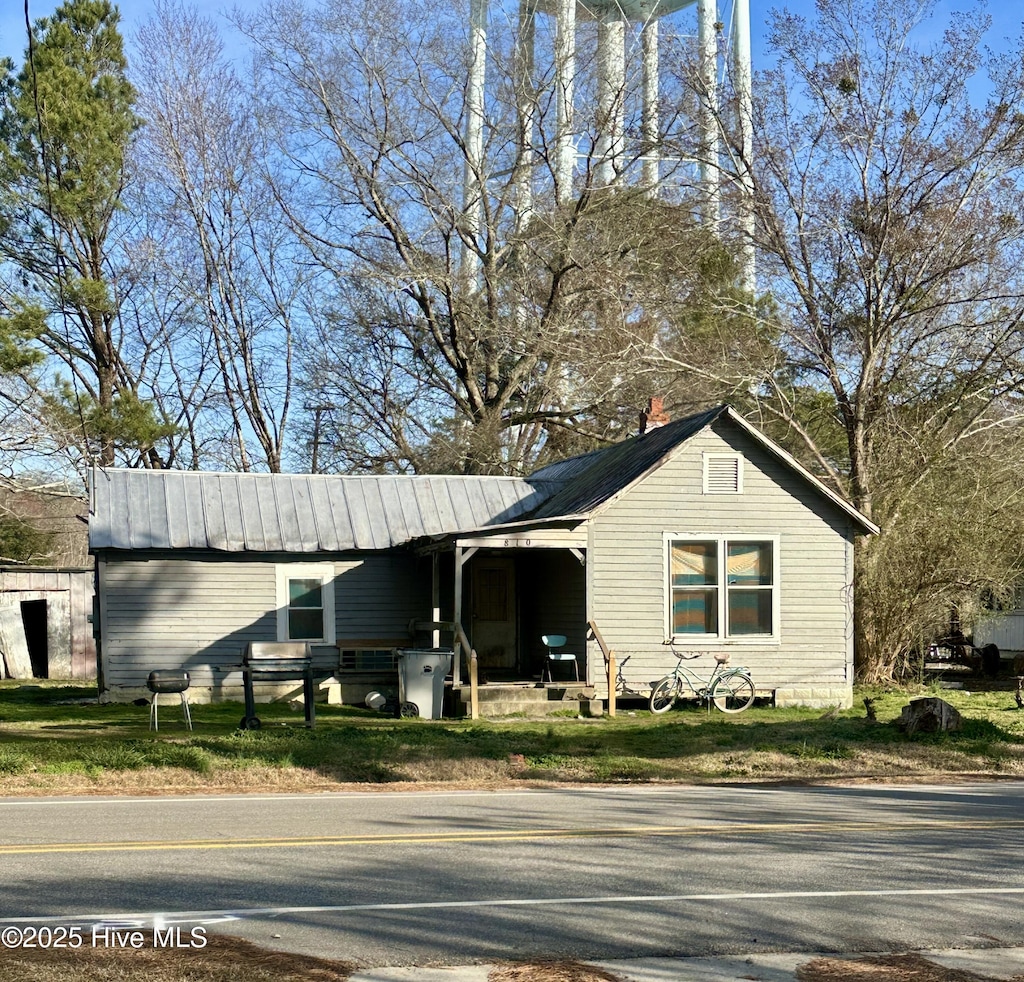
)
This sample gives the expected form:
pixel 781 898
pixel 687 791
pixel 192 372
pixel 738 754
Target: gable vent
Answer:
pixel 723 473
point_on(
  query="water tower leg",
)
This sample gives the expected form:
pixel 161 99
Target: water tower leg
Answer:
pixel 611 83
pixel 565 70
pixel 649 123
pixel 745 103
pixel 707 45
pixel 472 195
pixel 526 111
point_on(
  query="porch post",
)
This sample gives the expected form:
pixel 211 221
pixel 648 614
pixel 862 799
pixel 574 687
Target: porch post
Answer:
pixel 611 683
pixel 435 596
pixel 457 616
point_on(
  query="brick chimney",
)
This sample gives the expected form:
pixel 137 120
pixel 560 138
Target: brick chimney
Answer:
pixel 653 416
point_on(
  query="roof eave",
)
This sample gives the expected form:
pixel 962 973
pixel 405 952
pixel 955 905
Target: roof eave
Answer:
pixel 660 462
pixel 867 526
pixel 443 540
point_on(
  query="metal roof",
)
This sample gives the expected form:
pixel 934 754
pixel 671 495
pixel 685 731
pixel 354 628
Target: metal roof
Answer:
pixel 298 513
pixel 310 513
pixel 591 480
pixel 609 471
pixel 564 470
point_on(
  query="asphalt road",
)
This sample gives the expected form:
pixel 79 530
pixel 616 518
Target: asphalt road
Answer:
pixel 393 879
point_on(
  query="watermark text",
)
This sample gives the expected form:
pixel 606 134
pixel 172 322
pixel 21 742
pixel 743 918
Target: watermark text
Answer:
pixel 73 937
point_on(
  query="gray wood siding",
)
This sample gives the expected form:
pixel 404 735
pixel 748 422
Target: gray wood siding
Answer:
pixel 199 612
pixel 628 576
pixel 377 595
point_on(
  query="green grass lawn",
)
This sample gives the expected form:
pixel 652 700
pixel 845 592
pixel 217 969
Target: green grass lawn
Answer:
pixel 56 738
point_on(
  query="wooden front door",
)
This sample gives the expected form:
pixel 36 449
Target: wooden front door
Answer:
pixel 493 605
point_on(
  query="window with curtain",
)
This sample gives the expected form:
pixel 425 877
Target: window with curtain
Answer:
pixel 723 587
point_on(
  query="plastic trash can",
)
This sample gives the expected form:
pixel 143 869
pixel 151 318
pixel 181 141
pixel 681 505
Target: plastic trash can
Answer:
pixel 421 675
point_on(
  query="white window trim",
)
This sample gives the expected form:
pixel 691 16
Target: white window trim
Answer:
pixel 702 640
pixel 710 455
pixel 310 571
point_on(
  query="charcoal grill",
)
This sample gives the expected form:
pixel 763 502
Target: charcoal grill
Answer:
pixel 176 683
pixel 280 661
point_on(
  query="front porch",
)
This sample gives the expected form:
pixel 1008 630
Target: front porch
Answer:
pixel 493 597
pixel 507 591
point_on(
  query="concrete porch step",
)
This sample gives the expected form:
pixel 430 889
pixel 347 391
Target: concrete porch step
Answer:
pixel 511 699
pixel 528 692
pixel 497 708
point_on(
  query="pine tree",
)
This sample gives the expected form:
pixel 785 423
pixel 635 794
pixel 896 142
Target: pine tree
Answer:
pixel 66 124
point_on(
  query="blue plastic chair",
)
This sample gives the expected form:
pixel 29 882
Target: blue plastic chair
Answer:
pixel 554 643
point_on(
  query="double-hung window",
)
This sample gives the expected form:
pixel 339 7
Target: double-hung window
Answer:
pixel 723 587
pixel 305 603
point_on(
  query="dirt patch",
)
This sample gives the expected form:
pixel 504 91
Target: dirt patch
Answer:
pixel 224 959
pixel 885 968
pixel 550 972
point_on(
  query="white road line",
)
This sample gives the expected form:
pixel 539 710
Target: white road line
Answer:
pixel 253 912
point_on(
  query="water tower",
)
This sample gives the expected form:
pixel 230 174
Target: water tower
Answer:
pixel 610 152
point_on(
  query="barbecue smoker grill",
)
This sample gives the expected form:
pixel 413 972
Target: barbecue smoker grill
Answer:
pixel 281 661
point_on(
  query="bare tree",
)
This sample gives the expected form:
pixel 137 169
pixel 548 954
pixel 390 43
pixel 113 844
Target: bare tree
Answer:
pixel 221 242
pixel 954 543
pixel 480 312
pixel 892 224
pixel 889 234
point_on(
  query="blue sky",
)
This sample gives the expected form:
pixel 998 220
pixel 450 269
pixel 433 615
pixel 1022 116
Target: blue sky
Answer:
pixel 133 12
pixel 1007 17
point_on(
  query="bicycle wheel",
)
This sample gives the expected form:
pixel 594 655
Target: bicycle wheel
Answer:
pixel 664 694
pixel 733 693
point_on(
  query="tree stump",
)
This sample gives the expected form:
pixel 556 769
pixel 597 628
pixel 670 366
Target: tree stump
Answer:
pixel 991 661
pixel 929 715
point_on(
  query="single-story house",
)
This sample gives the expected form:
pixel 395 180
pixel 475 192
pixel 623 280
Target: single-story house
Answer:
pixel 698 535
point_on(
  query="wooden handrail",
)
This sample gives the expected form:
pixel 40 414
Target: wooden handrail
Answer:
pixel 605 650
pixel 609 664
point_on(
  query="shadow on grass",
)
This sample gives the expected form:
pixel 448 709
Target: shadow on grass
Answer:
pixel 44 735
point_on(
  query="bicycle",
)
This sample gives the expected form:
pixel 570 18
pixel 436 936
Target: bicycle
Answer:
pixel 730 689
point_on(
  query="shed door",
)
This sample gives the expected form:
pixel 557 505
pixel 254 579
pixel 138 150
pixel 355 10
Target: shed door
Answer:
pixel 494 612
